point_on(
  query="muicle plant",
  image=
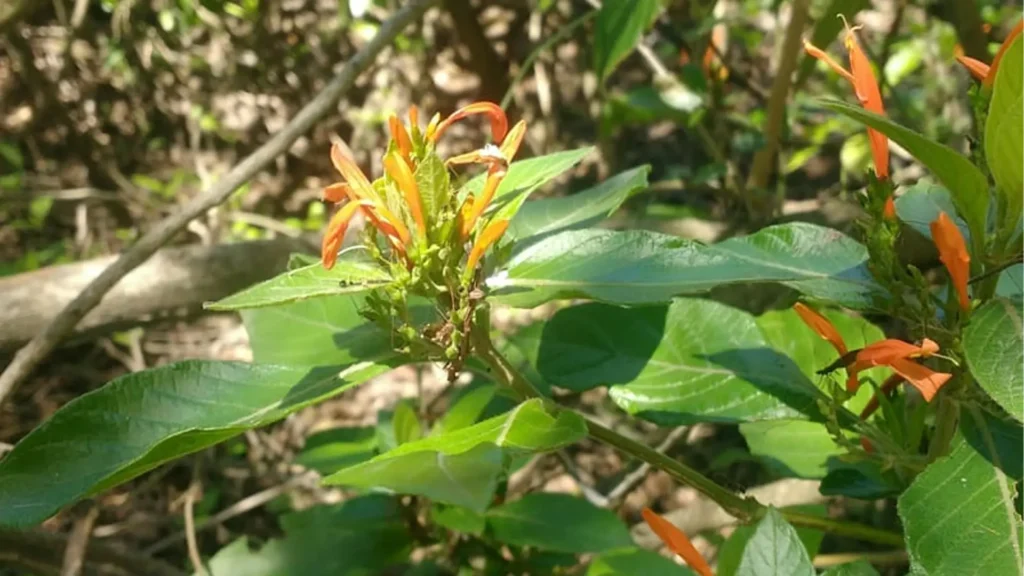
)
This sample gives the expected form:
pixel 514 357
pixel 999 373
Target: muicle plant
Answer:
pixel 813 385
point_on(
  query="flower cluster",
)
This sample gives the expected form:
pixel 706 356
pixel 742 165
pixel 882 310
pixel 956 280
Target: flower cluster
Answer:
pixel 413 205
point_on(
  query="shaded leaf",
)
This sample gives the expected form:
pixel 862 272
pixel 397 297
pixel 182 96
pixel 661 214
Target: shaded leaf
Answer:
pixel 994 349
pixel 620 25
pixel 141 420
pixel 330 450
pixel 635 562
pixel 693 361
pixel 858 568
pixel 921 204
pixel 558 522
pixel 639 267
pixel 962 494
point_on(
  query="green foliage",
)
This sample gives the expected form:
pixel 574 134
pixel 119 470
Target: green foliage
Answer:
pixel 774 549
pixel 634 562
pixel 637 267
pixel 1004 133
pixel 557 522
pixel 994 348
pixel 920 205
pixel 620 26
pixel 960 494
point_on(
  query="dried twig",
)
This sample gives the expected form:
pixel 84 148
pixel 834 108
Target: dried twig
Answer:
pixel 190 529
pixel 78 541
pixel 35 351
pixel 40 552
pixel 636 476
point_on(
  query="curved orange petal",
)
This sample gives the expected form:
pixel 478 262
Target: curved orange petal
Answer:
pixel 510 145
pixel 489 236
pixel 499 123
pixel 414 117
pixel 337 192
pixel 926 380
pixel 677 541
pixel 401 138
pixel 885 352
pixel 865 86
pixel 953 254
pixel 977 68
pixel 494 176
pixel 820 54
pixel 462 218
pixel 822 326
pixel 353 175
pixel 335 234
pixel 990 78
pixel 399 171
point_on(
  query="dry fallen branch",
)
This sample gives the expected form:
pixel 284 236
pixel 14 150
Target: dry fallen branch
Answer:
pixel 37 349
pixel 41 553
pixel 175 282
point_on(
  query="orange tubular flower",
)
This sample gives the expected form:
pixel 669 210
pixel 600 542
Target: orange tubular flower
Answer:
pixel 887 387
pixel 865 86
pixel 897 354
pixel 983 72
pixel 828 331
pixel 498 159
pixel 399 171
pixel 676 541
pixel 401 138
pixel 489 236
pixel 336 233
pixel 954 255
pixel 499 124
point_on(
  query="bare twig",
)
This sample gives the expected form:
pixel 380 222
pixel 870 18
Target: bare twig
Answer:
pixel 590 493
pixel 636 476
pixel 78 541
pixel 237 509
pixel 40 552
pixel 190 529
pixel 35 351
pixel 764 159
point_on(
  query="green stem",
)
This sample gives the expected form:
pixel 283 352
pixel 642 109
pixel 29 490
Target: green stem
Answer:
pixel 946 418
pixel 745 510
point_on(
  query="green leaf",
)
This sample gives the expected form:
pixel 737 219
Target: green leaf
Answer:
pixel 640 267
pixel 458 519
pixel 580 210
pixel 462 467
pixel 1003 133
pixel 337 448
pixel 466 410
pixel 1011 284
pixel 141 420
pixel 369 530
pixel 792 448
pixel 635 562
pixel 730 553
pixel 693 361
pixel 994 349
pixel 921 204
pixel 558 522
pixel 434 183
pixel 966 184
pixel 406 423
pixel 959 517
pixel 858 568
pixel 996 437
pixel 524 177
pixel 775 549
pixel 349 275
pixel 619 27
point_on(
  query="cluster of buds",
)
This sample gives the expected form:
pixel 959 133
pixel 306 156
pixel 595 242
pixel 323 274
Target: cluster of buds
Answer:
pixel 431 238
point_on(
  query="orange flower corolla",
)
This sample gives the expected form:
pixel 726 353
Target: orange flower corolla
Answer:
pixel 828 331
pixel 898 355
pixel 677 541
pixel 983 72
pixel 953 254
pixel 865 87
pixel 885 389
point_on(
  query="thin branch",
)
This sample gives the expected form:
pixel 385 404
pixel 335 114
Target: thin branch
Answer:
pixel 190 529
pixel 78 541
pixel 764 159
pixel 41 552
pixel 35 351
pixel 637 476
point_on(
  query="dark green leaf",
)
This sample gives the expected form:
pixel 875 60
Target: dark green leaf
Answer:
pixel 139 421
pixel 461 467
pixel 997 438
pixel 730 553
pixel 337 448
pixel 639 267
pixel 580 210
pixel 792 448
pixel 406 423
pixel 557 522
pixel 635 562
pixel 775 549
pixel 693 361
pixel 863 480
pixel 1011 284
pixel 458 519
pixel 466 410
pixel 349 276
pixel 994 349
pixel 958 495
pixel 620 25
pixel 966 184
pixel 921 204
pixel 1004 137
pixel 365 535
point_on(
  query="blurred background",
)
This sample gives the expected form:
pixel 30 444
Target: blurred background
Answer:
pixel 113 113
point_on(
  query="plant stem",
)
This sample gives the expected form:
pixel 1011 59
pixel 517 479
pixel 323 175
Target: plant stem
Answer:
pixel 946 418
pixel 746 510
